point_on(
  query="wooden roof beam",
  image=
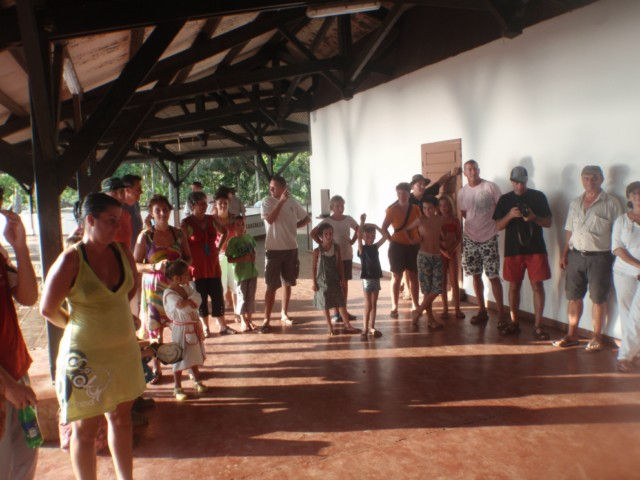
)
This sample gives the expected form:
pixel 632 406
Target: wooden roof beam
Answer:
pixel 70 76
pixel 261 25
pixel 205 33
pixel 374 43
pixel 136 37
pixel 16 162
pixel 331 77
pixel 234 80
pixel 96 16
pixel 131 77
pixel 14 107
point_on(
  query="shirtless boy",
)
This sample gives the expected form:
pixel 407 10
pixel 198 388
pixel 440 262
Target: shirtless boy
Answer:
pixel 429 260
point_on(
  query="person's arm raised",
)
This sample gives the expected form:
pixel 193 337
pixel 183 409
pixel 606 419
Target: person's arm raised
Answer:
pixel 26 289
pixel 273 214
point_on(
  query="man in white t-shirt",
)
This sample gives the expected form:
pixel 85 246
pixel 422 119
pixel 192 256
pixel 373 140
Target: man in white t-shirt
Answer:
pixel 282 217
pixel 477 201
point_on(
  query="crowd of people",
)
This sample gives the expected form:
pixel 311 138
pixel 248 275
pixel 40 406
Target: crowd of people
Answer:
pixel 125 278
pixel 601 247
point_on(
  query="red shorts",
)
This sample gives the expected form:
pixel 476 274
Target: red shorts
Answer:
pixel 536 265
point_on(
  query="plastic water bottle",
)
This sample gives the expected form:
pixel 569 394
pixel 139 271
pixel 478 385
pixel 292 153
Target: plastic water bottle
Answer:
pixel 29 421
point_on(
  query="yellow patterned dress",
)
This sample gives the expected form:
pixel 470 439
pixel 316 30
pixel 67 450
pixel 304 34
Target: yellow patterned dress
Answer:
pixel 98 365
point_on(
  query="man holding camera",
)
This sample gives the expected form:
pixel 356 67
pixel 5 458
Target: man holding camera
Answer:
pixel 522 213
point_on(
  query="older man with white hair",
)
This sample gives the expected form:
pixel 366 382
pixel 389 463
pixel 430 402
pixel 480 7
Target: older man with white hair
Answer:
pixel 587 256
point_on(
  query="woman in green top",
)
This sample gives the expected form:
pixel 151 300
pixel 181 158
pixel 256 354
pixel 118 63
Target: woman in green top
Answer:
pixel 98 370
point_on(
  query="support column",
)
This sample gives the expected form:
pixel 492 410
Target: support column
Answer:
pixel 175 188
pixel 44 134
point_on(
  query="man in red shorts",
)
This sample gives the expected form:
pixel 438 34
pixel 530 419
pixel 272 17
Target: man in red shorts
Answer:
pixel 522 213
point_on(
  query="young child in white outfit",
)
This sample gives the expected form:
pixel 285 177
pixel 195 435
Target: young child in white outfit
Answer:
pixel 181 304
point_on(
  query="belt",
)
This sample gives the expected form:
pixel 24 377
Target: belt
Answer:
pixel 586 253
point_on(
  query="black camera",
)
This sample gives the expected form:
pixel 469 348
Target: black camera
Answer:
pixel 524 209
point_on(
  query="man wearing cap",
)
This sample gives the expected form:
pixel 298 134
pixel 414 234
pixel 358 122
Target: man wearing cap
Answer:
pixel 419 188
pixel 522 213
pixel 587 256
pixel 114 187
pixel 477 201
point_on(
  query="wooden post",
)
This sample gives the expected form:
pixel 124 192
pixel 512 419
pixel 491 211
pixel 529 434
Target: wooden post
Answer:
pixel 44 134
pixel 175 188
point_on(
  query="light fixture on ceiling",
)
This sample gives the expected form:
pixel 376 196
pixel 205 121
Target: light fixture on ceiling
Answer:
pixel 329 9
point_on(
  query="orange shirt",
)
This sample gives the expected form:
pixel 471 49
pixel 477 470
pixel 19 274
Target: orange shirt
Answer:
pixel 397 215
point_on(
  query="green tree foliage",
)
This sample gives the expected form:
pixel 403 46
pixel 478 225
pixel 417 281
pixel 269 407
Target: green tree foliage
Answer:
pixel 212 173
pixel 231 172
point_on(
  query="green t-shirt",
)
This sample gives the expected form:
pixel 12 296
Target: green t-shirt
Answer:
pixel 239 247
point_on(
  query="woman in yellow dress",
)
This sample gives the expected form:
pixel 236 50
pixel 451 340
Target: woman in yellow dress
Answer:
pixel 98 369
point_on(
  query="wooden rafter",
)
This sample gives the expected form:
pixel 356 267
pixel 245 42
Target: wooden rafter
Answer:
pixel 16 162
pixel 239 139
pixel 135 41
pixel 379 36
pixel 96 16
pixel 234 80
pixel 131 77
pixel 330 76
pixel 70 76
pixel 14 107
pixel 205 33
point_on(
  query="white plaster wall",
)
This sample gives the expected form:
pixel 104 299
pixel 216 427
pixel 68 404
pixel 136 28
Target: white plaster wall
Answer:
pixel 563 94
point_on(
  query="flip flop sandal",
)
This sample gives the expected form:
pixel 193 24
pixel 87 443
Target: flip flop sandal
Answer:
pixel 393 313
pixel 375 333
pixel 511 329
pixel 480 318
pixel 503 323
pixel 593 346
pixel 565 342
pixel 540 334
pixel 351 330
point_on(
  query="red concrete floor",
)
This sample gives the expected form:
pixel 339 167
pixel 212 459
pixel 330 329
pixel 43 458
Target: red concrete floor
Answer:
pixel 459 403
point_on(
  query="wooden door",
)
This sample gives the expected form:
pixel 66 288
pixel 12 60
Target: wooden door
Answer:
pixel 437 159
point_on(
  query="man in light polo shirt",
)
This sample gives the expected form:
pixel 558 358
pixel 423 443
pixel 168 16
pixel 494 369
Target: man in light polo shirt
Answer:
pixel 587 256
pixel 282 217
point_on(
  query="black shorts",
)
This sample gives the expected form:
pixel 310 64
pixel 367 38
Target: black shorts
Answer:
pixel 403 257
pixel 210 287
pixel 347 268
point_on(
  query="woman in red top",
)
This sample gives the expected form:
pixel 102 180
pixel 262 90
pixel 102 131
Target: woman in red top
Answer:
pixel 201 231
